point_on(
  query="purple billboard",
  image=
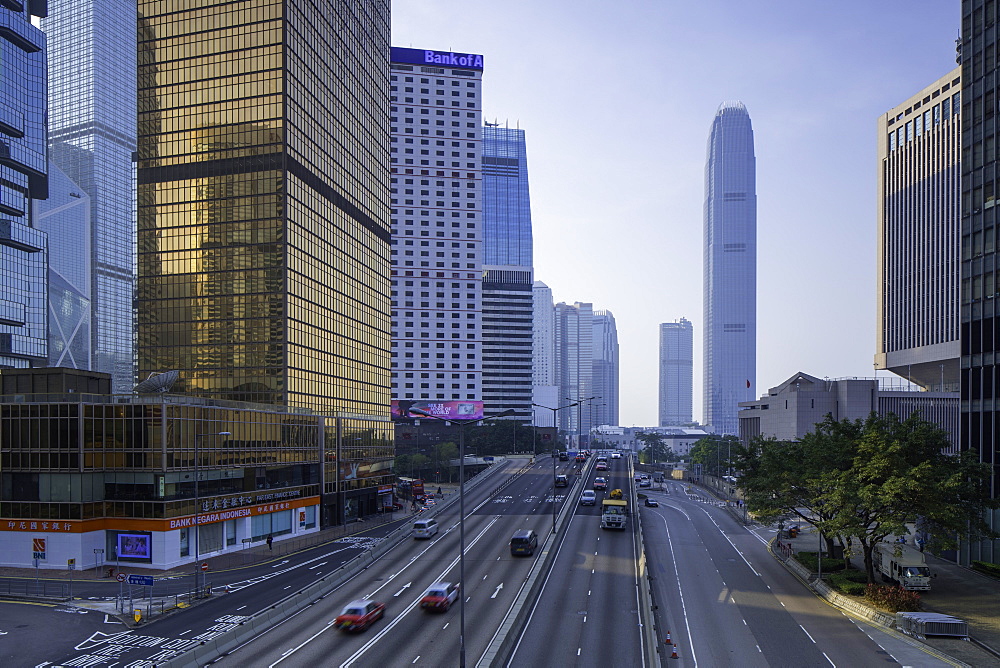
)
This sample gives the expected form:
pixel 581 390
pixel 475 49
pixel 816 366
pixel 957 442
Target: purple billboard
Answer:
pixel 445 410
pixel 470 61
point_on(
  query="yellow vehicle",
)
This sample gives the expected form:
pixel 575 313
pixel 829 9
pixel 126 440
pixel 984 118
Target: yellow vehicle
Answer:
pixel 615 494
pixel 613 514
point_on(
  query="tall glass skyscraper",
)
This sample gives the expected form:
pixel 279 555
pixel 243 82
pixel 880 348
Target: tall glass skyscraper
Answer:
pixel 23 177
pixel 676 373
pixel 604 407
pixel 263 201
pixel 730 268
pixel 507 273
pixel 92 125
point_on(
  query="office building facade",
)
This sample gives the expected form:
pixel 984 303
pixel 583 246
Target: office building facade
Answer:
pixel 676 373
pixel 507 274
pixel 263 203
pixel 979 329
pixel 604 407
pixel 66 218
pixel 92 138
pixel 919 184
pixel 437 260
pixel 23 178
pixel 574 365
pixel 544 391
pixel 730 339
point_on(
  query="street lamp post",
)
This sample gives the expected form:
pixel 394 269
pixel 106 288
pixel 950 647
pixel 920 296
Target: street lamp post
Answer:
pixel 554 411
pixel 461 513
pixel 197 475
pixel 579 417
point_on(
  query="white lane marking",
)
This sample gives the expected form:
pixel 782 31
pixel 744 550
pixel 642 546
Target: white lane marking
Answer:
pixel 680 589
pixel 445 626
pixel 108 620
pixel 499 587
pixel 486 576
pixel 288 587
pixel 578 651
pixel 405 587
pixel 183 632
pixel 807 633
pixel 312 568
pixel 831 662
pixel 280 563
pixel 241 607
pixel 416 659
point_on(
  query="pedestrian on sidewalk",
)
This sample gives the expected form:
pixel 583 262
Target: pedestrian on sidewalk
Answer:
pixel 439 491
pixel 270 539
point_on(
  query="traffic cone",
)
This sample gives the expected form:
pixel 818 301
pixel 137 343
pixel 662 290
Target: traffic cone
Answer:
pixel 673 654
pixel 668 638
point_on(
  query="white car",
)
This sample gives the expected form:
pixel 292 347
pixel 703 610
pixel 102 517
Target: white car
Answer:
pixel 616 455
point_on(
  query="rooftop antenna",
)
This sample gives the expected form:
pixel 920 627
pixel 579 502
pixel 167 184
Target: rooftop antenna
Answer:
pixel 157 382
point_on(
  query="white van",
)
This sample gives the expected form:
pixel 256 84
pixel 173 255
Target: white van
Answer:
pixel 588 498
pixel 425 528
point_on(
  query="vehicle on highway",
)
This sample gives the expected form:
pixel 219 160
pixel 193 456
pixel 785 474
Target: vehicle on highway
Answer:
pixel 359 615
pixel 600 483
pixel 652 503
pixel 616 494
pixel 645 482
pixel 563 456
pixel 613 514
pixel 637 477
pixel 581 457
pixel 616 455
pixel 439 597
pixel 588 498
pixel 601 466
pixel 524 541
pixel 562 480
pixel 425 528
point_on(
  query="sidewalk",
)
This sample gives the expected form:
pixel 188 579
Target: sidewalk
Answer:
pixel 957 591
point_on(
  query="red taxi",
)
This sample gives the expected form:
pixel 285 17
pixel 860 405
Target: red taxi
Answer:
pixel 439 597
pixel 359 615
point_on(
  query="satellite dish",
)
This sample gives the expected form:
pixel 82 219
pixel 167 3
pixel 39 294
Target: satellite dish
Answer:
pixel 157 382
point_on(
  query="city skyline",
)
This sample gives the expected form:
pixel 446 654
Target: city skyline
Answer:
pixel 816 79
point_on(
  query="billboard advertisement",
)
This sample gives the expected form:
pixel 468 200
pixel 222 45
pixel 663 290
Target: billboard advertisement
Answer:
pixel 472 61
pixel 135 546
pixel 445 410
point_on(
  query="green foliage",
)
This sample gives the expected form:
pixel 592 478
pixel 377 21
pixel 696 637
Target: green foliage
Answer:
pixel 716 454
pixel 893 599
pixel 987 568
pixel 851 583
pixel 656 450
pixel 830 565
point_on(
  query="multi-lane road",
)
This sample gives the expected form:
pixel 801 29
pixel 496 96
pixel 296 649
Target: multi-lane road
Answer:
pixel 721 595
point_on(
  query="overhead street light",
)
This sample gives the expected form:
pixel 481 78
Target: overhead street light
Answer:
pixel 461 511
pixel 554 411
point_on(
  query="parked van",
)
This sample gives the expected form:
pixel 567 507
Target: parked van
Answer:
pixel 425 528
pixel 524 541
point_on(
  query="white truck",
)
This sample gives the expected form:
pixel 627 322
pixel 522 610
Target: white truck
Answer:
pixel 613 513
pixel 903 564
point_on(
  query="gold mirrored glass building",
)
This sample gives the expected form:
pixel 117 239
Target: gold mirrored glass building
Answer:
pixel 263 201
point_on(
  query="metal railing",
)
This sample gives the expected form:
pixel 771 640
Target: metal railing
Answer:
pixel 39 588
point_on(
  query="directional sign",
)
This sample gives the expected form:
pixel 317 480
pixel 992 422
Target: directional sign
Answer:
pixel 143 580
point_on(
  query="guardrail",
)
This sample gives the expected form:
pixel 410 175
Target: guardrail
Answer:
pixel 499 651
pixel 42 589
pixel 647 607
pixel 210 650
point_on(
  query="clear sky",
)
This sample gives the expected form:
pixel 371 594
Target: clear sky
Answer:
pixel 616 99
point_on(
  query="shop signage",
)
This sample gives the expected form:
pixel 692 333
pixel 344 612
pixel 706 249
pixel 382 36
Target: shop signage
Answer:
pixel 38 548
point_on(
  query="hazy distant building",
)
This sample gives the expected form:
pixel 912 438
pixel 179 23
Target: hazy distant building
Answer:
pixel 792 409
pixel 545 392
pixel 66 218
pixel 604 408
pixel 676 373
pixel 574 363
pixel 507 274
pixel 919 186
pixel 980 341
pixel 437 240
pixel 92 138
pixel 730 268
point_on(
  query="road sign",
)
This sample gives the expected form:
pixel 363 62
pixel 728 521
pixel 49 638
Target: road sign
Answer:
pixel 71 563
pixel 142 580
pixel 38 548
pixel 138 615
pixel 204 566
pixel 121 577
pixel 98 551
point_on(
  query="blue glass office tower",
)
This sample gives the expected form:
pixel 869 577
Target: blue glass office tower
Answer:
pixel 23 177
pixel 730 268
pixel 92 126
pixel 507 274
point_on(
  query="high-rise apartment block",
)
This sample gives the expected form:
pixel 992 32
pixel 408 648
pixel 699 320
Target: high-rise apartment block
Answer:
pixel 263 203
pixel 92 138
pixel 574 363
pixel 507 273
pixel 437 255
pixel 603 410
pixel 676 373
pixel 23 247
pixel 919 184
pixel 979 317
pixel 730 268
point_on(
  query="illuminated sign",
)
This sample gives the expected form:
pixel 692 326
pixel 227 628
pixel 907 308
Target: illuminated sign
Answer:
pixel 470 61
pixel 135 545
pixel 445 410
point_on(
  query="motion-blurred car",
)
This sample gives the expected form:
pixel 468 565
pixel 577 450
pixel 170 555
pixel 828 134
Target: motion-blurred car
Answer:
pixel 439 597
pixel 600 483
pixel 616 455
pixel 652 503
pixel 359 615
